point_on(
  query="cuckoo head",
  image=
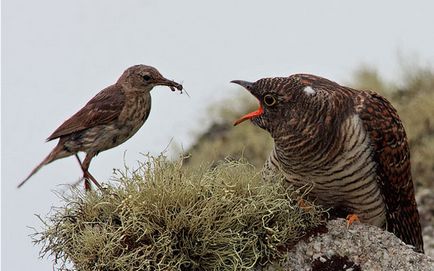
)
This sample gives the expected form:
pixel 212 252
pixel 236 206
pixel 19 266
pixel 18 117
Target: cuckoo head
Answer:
pixel 278 98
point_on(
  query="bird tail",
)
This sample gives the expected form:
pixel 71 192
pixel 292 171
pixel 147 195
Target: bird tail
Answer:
pixel 57 153
pixel 405 223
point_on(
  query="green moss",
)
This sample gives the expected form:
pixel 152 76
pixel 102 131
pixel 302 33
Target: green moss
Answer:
pixel 162 216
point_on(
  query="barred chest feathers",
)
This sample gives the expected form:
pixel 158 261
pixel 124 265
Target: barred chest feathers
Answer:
pixel 344 174
pixel 350 145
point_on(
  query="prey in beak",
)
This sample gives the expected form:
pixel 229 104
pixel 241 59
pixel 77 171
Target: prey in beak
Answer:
pixel 171 84
pixel 257 113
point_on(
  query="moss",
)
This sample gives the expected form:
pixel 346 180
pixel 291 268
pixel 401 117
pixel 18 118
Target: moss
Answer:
pixel 162 216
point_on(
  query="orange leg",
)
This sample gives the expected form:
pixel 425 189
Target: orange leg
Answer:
pixel 305 205
pixel 351 218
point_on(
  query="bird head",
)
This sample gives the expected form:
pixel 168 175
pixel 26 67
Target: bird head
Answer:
pixel 143 78
pixel 295 102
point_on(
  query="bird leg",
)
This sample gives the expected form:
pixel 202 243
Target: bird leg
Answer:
pixel 351 218
pixel 86 174
pixel 306 206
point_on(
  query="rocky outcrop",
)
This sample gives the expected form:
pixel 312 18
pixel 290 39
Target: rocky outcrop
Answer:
pixel 359 247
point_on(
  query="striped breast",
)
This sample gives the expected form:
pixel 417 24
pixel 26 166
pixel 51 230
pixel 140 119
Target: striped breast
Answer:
pixel 343 175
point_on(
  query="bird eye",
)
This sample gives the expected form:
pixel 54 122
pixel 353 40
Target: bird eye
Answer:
pixel 269 100
pixel 146 77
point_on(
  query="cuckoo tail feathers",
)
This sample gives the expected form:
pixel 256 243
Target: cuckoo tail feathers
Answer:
pixel 405 224
pixel 57 153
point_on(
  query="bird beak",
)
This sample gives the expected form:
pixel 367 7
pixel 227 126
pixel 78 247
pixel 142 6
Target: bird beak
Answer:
pixel 171 84
pixel 244 84
pixel 257 113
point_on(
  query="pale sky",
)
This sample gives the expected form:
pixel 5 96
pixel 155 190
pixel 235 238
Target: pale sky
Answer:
pixel 56 55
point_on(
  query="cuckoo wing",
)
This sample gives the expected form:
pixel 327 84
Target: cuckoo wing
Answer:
pixel 392 156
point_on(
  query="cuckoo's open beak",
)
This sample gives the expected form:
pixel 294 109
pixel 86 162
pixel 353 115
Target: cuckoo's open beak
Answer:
pixel 257 113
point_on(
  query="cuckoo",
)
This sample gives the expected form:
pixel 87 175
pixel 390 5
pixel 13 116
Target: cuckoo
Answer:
pixel 350 145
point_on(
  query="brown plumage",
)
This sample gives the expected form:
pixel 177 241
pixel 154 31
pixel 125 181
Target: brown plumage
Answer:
pixel 110 118
pixel 349 144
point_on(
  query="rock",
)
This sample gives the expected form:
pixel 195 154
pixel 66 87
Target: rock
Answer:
pixel 362 247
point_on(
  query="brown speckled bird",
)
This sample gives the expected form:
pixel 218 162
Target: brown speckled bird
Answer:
pixel 349 144
pixel 110 118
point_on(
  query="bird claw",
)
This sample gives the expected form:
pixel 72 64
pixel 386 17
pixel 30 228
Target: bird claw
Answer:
pixel 87 185
pixel 87 176
pixel 351 218
pixel 304 205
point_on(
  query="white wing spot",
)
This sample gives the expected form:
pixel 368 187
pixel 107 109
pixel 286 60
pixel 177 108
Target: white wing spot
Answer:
pixel 309 90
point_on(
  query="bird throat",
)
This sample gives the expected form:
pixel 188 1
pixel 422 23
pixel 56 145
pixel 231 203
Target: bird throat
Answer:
pixel 250 115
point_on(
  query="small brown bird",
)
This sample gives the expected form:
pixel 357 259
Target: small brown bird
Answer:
pixel 349 144
pixel 110 118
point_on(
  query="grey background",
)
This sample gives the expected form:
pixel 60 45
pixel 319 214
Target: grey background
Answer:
pixel 56 55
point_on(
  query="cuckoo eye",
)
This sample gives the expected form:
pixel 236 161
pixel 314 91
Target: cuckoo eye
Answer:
pixel 146 77
pixel 269 100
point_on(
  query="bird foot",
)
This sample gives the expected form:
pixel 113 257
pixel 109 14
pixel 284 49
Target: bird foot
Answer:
pixel 351 218
pixel 87 176
pixel 304 205
pixel 87 185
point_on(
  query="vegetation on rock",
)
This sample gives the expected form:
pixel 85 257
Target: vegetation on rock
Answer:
pixel 162 216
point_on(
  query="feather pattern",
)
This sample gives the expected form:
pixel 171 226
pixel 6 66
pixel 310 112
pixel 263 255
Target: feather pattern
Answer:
pixel 348 144
pixel 392 155
pixel 110 118
pixel 101 109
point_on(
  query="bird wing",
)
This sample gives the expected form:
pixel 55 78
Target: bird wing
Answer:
pixel 101 109
pixel 392 156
